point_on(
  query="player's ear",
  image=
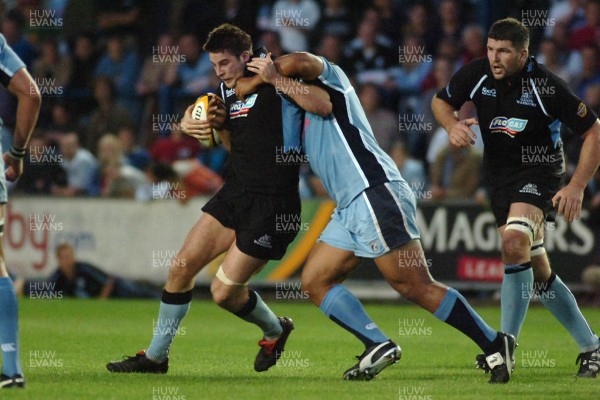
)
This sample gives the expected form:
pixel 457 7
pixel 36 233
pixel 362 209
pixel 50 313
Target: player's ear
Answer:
pixel 245 57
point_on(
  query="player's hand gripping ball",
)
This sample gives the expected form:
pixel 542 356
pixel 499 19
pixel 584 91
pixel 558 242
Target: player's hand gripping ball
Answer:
pixel 200 112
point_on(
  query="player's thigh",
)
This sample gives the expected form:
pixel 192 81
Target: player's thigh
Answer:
pixel 327 265
pixel 239 266
pixel 207 239
pixel 235 272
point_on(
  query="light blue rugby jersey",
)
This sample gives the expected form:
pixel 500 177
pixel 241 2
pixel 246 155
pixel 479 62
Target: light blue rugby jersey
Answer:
pixel 341 148
pixel 10 63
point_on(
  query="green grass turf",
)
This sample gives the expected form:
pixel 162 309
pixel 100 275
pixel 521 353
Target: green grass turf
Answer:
pixel 65 345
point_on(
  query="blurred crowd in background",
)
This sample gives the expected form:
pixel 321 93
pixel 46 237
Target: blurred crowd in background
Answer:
pixel 117 75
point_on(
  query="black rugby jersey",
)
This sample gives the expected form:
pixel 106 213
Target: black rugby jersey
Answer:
pixel 259 160
pixel 519 118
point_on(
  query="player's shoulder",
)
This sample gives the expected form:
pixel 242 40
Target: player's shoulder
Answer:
pixel 537 70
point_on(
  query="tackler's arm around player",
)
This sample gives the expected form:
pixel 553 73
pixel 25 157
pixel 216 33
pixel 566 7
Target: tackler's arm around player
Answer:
pixel 24 87
pixel 459 133
pixel 282 72
pixel 568 200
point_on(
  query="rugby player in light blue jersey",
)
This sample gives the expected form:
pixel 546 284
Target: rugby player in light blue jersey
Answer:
pixel 375 217
pixel 17 80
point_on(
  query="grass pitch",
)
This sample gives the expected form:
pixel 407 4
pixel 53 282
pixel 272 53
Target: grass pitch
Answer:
pixel 65 345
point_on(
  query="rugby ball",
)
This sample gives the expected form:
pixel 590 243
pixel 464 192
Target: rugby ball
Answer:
pixel 200 112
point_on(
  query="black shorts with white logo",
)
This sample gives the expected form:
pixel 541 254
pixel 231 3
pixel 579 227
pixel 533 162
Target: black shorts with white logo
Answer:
pixel 524 187
pixel 264 224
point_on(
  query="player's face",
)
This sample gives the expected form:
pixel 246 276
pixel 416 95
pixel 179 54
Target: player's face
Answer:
pixel 228 67
pixel 505 60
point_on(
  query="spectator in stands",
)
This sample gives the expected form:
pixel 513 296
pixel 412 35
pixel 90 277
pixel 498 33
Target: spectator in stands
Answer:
pixel 107 117
pixel 83 280
pixel 383 122
pixel 122 66
pixel 589 34
pixel 61 121
pixel 114 177
pixel 415 65
pixel 473 43
pixel 388 19
pixel 331 47
pixel 120 16
pixel 336 20
pixel 569 13
pixel 443 69
pixel 549 56
pixel 163 184
pixel 135 155
pixel 51 65
pixel 79 165
pixel 186 82
pixel 455 174
pixel 418 25
pixel 449 23
pixel 295 20
pixel 175 147
pixel 366 57
pixel 12 29
pixel 42 173
pixel 160 64
pixel 412 170
pixel 272 42
pixel 590 74
pixel 83 63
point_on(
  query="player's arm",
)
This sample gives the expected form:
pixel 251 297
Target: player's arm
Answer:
pixel 568 200
pixel 458 130
pixel 309 97
pixel 565 106
pixel 446 103
pixel 29 100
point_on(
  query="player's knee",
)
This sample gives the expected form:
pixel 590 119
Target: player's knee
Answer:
pixel 221 296
pixel 410 291
pixel 515 246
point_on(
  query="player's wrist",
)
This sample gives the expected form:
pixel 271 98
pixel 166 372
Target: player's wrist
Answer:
pixel 18 153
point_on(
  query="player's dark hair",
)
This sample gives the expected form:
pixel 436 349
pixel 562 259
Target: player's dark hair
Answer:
pixel 227 37
pixel 510 29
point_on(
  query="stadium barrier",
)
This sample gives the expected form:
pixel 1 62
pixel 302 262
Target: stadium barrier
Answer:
pixel 138 240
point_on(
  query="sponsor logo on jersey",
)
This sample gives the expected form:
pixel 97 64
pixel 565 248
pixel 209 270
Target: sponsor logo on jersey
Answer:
pixel 242 108
pixel 448 90
pixel 510 126
pixel 530 188
pixel 526 100
pixel 581 110
pixel 229 92
pixel 488 92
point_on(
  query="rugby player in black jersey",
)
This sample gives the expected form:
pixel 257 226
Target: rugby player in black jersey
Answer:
pixel 520 107
pixel 241 218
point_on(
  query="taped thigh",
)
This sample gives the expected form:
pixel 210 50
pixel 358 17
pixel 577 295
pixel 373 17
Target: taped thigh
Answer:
pixel 223 278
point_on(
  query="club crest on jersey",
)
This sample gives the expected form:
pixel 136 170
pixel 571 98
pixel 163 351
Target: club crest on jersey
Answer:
pixel 526 99
pixel 581 110
pixel 510 126
pixel 242 108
